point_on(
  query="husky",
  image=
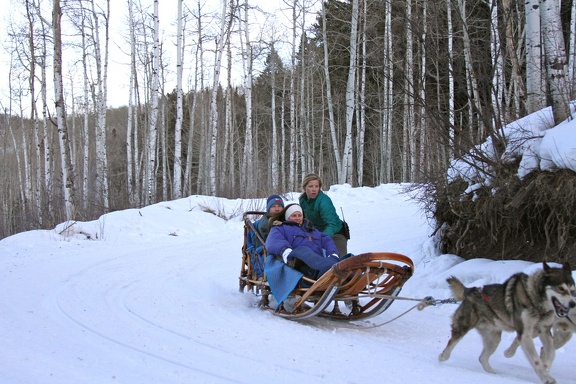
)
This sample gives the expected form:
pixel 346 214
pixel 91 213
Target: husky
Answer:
pixel 525 304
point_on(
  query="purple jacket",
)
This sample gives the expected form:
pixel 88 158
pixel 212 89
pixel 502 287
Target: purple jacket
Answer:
pixel 291 235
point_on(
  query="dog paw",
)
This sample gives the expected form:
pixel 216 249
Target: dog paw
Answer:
pixel 549 380
pixel 509 352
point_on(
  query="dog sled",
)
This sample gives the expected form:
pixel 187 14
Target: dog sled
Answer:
pixel 356 288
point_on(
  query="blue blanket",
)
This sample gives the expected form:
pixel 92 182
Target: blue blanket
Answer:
pixel 281 278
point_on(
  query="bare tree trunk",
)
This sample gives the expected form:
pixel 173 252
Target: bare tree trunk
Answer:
pixel 498 75
pixel 225 28
pixel 572 52
pixel 535 89
pixel 302 121
pixel 46 128
pixel 408 163
pixel 153 120
pixel 451 92
pixel 66 166
pixel 190 152
pixel 329 100
pixel 423 150
pixel 164 143
pixel 85 120
pixel 247 174
pixel 228 152
pixel 518 89
pixel 18 149
pixel 102 189
pixel 555 55
pixel 387 99
pixel 283 166
pixel 346 174
pixel 274 157
pixel 130 125
pixel 362 96
pixel 37 193
pixel 292 149
pixel 197 92
pixel 475 108
pixel 177 178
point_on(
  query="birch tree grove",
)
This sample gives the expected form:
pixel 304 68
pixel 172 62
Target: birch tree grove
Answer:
pixel 359 91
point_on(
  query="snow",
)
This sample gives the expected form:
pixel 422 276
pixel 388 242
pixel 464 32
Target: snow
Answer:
pixel 533 139
pixel 151 296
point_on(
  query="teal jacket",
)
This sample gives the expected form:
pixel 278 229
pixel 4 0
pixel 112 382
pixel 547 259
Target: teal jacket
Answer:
pixel 321 212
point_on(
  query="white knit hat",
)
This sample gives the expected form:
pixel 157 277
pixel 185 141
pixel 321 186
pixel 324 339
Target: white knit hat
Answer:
pixel 291 209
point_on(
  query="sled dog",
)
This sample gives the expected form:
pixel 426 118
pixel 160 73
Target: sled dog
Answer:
pixel 525 304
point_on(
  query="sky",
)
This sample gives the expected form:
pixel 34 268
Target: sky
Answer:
pixel 151 295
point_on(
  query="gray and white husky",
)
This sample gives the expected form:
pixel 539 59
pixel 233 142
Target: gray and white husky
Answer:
pixel 526 304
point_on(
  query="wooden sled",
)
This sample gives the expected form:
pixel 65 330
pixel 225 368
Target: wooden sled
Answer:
pixel 356 288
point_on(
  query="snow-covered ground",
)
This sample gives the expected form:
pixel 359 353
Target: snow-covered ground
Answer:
pixel 151 296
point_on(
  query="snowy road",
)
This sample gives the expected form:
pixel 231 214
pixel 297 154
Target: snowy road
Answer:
pixel 157 301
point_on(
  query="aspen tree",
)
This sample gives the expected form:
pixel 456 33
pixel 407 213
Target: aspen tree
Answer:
pixel 346 173
pixel 65 157
pixel 555 56
pixel 153 113
pixel 177 177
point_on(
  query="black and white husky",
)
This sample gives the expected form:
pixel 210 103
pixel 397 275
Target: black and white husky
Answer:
pixel 526 304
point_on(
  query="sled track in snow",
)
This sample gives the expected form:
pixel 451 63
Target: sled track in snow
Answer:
pixel 80 311
pixel 146 307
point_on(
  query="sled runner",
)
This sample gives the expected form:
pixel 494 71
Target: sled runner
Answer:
pixel 356 288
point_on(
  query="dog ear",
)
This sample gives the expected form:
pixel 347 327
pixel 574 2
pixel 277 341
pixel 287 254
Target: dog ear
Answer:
pixel 566 266
pixel 546 266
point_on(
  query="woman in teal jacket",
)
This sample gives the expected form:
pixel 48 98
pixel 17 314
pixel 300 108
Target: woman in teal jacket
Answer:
pixel 319 209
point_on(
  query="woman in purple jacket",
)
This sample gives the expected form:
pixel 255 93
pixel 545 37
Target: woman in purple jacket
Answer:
pixel 294 239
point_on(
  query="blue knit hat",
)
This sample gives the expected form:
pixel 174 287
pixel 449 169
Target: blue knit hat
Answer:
pixel 274 199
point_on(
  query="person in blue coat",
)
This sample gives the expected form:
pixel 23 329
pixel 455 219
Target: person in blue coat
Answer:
pixel 293 238
pixel 274 205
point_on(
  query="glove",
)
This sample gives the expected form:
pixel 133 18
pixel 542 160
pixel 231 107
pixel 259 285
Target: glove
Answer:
pixel 285 254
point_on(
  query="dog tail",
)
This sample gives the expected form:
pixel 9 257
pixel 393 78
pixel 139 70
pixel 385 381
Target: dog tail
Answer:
pixel 458 289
